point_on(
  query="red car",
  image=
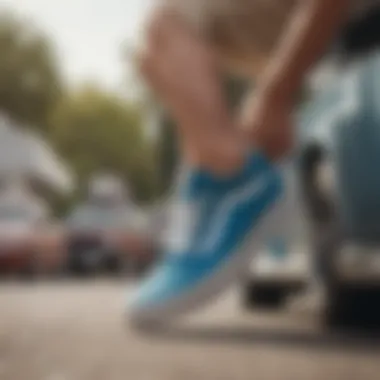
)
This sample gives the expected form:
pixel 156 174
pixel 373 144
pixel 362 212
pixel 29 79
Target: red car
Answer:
pixel 108 237
pixel 29 242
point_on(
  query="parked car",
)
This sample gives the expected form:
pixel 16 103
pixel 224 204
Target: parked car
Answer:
pixel 349 249
pixel 342 128
pixel 108 236
pixel 30 243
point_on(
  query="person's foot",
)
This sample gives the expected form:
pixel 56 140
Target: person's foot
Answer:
pixel 207 247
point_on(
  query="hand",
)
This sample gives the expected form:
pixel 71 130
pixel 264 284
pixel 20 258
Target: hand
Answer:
pixel 267 118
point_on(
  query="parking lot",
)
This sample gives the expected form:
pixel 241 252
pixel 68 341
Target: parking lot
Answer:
pixel 75 331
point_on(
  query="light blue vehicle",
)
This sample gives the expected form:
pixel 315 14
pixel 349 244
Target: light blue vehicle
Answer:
pixel 345 123
pixel 339 132
pixel 343 120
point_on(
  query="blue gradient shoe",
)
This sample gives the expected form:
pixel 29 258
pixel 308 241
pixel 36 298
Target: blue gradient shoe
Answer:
pixel 208 243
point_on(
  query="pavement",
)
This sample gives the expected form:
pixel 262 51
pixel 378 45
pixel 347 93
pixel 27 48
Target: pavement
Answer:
pixel 76 331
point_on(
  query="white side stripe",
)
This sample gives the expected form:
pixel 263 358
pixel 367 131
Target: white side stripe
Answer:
pixel 218 224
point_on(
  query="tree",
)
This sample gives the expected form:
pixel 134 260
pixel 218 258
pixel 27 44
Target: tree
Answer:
pixel 98 131
pixel 30 82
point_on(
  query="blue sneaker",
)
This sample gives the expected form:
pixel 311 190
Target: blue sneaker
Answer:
pixel 207 247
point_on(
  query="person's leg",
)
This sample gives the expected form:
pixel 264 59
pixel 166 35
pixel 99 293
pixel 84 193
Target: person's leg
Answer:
pixel 177 58
pixel 235 187
pixel 229 195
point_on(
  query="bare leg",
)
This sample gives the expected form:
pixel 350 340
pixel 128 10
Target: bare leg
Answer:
pixel 184 72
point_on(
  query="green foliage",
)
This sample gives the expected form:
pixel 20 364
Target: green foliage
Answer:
pixel 93 130
pixel 97 131
pixel 30 83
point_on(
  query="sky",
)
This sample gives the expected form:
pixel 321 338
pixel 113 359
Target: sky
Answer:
pixel 88 34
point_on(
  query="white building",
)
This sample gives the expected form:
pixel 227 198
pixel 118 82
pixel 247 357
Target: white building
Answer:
pixel 26 155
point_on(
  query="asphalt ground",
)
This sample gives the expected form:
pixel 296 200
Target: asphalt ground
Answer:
pixel 76 331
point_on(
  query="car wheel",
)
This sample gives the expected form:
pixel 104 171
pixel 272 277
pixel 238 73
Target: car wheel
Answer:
pixel 30 269
pixel 76 265
pixel 353 307
pixel 318 194
pixel 113 263
pixel 350 305
pixel 347 306
pixel 132 266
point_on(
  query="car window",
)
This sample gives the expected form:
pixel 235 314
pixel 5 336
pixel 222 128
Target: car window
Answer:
pixel 16 213
pixel 99 217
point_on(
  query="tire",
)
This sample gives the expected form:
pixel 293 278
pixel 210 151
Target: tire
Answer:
pixel 113 263
pixel 77 267
pixel 132 267
pixel 352 307
pixel 30 271
pixel 320 205
pixel 347 305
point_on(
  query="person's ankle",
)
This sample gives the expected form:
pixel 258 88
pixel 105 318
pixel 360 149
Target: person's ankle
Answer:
pixel 274 149
pixel 222 159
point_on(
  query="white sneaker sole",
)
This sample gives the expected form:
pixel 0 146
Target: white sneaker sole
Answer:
pixel 271 223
